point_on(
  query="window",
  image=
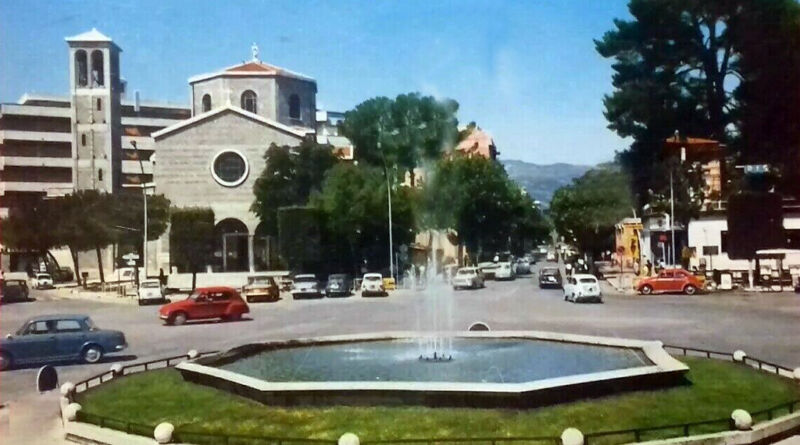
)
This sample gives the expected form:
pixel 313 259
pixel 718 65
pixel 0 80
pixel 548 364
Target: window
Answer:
pixel 81 68
pixel 294 106
pixel 98 73
pixel 100 174
pixel 206 103
pixel 723 241
pixel 83 140
pixel 219 296
pixel 68 326
pixel 39 327
pixel 249 101
pixel 229 168
pixel 99 104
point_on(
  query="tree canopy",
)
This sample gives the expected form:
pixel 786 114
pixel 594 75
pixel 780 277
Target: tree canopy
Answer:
pixel 586 211
pixel 289 178
pixel 191 237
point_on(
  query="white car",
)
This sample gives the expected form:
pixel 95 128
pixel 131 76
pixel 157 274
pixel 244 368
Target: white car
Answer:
pixel 306 286
pixel 468 277
pixel 150 292
pixel 372 284
pixel 582 287
pixel 504 271
pixel 42 281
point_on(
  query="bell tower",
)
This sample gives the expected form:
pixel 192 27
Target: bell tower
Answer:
pixel 95 90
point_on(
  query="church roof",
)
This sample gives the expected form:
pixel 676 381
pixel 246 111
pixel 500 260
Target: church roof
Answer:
pixel 89 36
pixel 252 68
pixel 294 131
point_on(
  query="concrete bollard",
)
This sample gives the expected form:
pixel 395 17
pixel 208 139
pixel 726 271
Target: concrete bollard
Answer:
pixel 796 373
pixel 116 369
pixel 348 439
pixel 67 389
pixel 572 436
pixel 163 432
pixel 739 355
pixel 71 412
pixel 192 354
pixel 742 420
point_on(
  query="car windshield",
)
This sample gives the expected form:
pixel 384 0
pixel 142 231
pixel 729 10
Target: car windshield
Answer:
pixel 305 279
pixel 263 281
pixel 588 280
pixel 466 271
pixel 372 278
pixel 43 276
pixel 151 285
pixel 90 324
pixel 549 271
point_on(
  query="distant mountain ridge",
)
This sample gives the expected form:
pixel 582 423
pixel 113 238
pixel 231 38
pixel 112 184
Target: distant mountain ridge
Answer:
pixel 542 180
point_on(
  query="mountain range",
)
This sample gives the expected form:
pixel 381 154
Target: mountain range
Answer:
pixel 542 180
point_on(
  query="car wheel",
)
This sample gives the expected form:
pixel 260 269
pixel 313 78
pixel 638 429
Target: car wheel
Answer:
pixel 565 297
pixel 5 361
pixel 647 289
pixel 234 317
pixel 689 289
pixel 179 319
pixel 92 354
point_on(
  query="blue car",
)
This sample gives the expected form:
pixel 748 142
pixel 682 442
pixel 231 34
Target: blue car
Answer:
pixel 51 338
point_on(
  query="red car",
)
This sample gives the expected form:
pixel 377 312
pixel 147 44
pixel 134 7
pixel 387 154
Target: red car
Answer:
pixel 670 280
pixel 206 302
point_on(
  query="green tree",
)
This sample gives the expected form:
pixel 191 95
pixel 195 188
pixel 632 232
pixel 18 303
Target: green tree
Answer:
pixel 586 211
pixel 353 204
pixel 29 227
pixel 289 178
pixel 475 197
pixel 403 132
pixel 190 239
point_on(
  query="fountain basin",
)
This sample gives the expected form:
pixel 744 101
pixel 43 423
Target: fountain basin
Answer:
pixel 489 369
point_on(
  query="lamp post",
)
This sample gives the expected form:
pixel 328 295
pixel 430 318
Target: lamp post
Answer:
pixel 144 200
pixel 389 196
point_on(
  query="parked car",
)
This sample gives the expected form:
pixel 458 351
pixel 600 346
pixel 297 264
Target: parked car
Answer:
pixel 468 277
pixel 670 280
pixel 306 286
pixel 339 285
pixel 550 277
pixel 224 303
pixel 50 338
pixel 372 285
pixel 150 292
pixel 389 283
pixel 488 270
pixel 14 290
pixel 504 271
pixel 63 275
pixel 582 287
pixel 523 266
pixel 261 288
pixel 42 280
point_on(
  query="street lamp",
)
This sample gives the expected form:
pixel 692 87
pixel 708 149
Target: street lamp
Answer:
pixel 144 199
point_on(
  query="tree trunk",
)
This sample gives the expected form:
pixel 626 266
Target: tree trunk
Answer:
pixel 74 254
pixel 194 278
pixel 100 265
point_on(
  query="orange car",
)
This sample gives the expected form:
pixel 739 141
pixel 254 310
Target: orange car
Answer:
pixel 670 280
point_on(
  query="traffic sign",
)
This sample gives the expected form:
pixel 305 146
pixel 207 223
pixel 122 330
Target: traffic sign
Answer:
pixel 130 257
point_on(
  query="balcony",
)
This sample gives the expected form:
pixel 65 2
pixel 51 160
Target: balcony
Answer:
pixel 30 110
pixel 33 161
pixel 51 188
pixel 134 168
pixel 148 121
pixel 35 136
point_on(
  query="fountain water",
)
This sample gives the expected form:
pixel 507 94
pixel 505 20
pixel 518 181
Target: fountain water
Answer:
pixel 435 314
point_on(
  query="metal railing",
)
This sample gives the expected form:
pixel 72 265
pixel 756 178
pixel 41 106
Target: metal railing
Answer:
pixel 607 437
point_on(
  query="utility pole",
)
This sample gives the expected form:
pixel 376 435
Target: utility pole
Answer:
pixel 144 199
pixel 389 196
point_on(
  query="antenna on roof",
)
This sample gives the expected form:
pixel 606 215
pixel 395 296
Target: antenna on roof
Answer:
pixel 254 50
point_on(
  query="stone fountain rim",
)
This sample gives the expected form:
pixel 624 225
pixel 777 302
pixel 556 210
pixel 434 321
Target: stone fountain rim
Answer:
pixel 663 363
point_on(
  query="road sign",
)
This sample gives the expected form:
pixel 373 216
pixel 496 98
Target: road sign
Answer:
pixel 130 257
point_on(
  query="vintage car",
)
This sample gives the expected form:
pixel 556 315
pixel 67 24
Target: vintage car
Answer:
pixel 580 288
pixel 51 338
pixel 468 277
pixel 372 285
pixel 550 277
pixel 339 285
pixel 261 288
pixel 14 290
pixel 42 280
pixel 505 271
pixel 150 293
pixel 224 303
pixel 670 280
pixel 306 286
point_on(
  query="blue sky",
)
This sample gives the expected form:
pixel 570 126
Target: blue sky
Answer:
pixel 525 71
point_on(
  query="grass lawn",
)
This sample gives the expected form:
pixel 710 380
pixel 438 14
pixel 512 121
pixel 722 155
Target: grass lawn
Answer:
pixel 717 388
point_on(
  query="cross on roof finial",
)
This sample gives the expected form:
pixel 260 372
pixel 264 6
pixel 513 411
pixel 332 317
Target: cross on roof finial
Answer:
pixel 254 50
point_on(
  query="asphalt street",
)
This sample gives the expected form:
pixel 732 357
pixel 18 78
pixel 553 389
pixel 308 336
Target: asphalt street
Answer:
pixel 762 324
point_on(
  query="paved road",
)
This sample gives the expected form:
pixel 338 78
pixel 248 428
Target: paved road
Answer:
pixel 764 325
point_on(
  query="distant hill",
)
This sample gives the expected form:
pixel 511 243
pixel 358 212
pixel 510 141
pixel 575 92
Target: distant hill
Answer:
pixel 541 181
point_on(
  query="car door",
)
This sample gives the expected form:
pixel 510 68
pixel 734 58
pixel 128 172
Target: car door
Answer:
pixel 663 282
pixel 37 343
pixel 70 335
pixel 201 308
pixel 219 303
